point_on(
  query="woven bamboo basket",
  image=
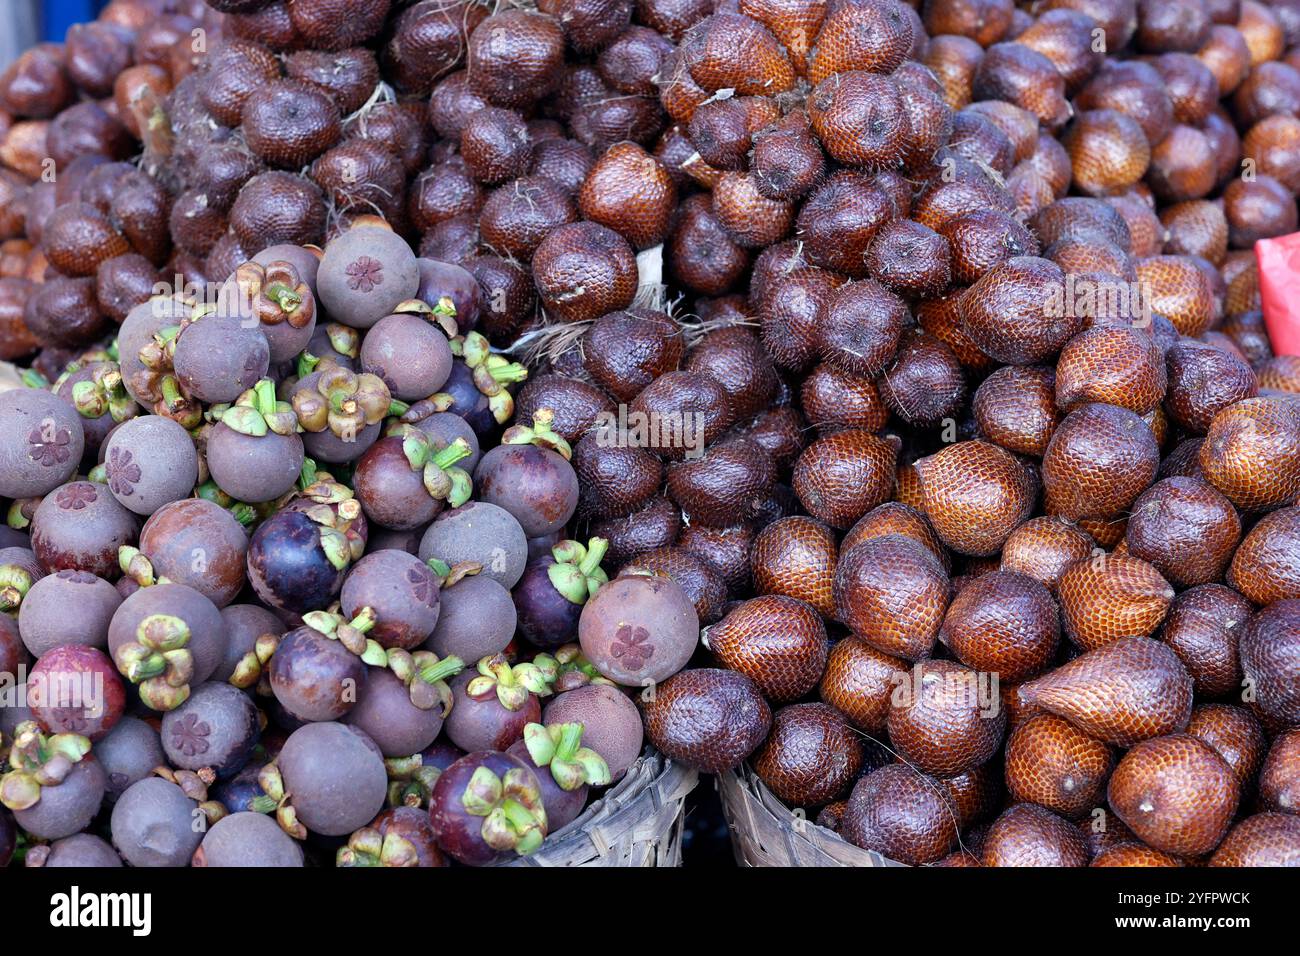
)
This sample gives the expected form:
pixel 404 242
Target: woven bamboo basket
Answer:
pixel 637 822
pixel 765 832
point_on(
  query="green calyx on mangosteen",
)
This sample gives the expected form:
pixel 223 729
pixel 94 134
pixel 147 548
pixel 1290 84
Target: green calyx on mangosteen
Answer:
pixel 576 573
pixel 575 670
pixel 331 504
pixel 271 781
pixel 510 684
pixel 511 808
pixel 442 313
pixel 344 402
pixel 369 847
pixel 540 433
pixel 15 582
pixel 252 666
pixel 553 589
pixel 256 412
pixel 350 633
pixel 322 488
pixel 336 545
pixel 102 393
pixel 275 293
pixel 159 661
pixel 442 480
pixel 452 574
pixel 241 511
pixel 157 352
pixel 425 676
pixel 492 373
pixel 136 565
pixel 410 780
pixel 19 513
pixel 38 761
pixel 176 405
pixel 559 748
pixel 344 340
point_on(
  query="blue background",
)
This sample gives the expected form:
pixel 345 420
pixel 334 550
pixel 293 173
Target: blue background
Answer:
pixel 58 15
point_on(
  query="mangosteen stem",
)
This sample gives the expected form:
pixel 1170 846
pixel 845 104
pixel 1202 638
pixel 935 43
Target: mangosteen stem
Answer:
pixel 307 474
pixel 364 620
pixel 159 660
pixel 34 379
pixel 307 364
pixel 446 457
pixel 449 666
pixel 570 740
pixel 442 480
pixel 171 392
pixel 520 817
pixel 262 804
pixel 507 372
pixel 244 513
pixel 596 549
pixel 264 397
pixel 398 408
pixel 283 296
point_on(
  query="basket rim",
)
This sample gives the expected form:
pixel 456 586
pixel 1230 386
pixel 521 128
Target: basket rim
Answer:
pixel 652 779
pixel 743 786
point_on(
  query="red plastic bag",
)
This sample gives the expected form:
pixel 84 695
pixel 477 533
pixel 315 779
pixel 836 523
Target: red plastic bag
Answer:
pixel 1279 290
